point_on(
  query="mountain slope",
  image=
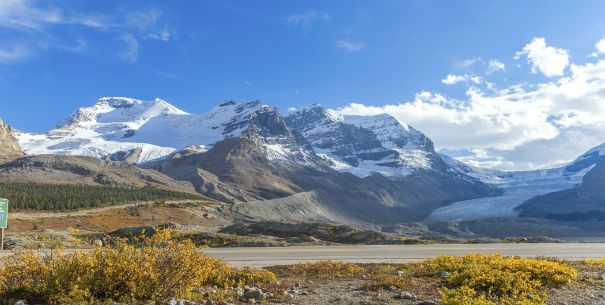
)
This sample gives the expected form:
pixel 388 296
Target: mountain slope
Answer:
pixel 238 170
pixel 585 202
pixel 9 147
pixel 52 169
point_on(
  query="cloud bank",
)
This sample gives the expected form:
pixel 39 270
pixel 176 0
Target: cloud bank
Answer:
pixel 524 126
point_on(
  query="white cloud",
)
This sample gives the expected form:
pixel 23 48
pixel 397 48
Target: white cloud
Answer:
pixel 131 53
pixel 349 46
pixel 495 65
pixel 305 20
pixel 519 127
pixel 452 79
pixel 467 63
pixel 600 46
pixel 29 26
pixel 543 58
pixel 14 53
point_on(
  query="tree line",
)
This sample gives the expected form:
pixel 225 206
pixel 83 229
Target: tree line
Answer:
pixel 61 197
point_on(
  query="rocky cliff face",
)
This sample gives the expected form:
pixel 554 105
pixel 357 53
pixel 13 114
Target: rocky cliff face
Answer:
pixel 9 147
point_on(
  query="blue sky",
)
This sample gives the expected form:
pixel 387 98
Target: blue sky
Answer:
pixel 56 56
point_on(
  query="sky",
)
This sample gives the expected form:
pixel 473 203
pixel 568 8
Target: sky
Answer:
pixel 498 84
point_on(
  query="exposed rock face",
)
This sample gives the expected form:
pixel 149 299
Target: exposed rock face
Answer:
pixel 583 203
pixel 85 170
pixel 129 156
pixel 362 145
pixel 9 148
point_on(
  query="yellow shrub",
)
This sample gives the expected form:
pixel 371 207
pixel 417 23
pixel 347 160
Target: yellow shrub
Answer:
pixel 498 279
pixel 595 262
pixel 160 269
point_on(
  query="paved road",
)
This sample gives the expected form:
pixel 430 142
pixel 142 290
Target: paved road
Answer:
pixel 259 257
pixel 268 256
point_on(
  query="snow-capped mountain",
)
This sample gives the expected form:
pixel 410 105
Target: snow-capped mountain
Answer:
pixel 363 145
pixel 114 126
pixel 119 128
pixel 517 187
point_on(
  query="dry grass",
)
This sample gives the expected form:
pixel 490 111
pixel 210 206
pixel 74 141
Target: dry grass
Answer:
pixel 325 269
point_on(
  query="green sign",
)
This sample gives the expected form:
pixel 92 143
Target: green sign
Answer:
pixel 3 213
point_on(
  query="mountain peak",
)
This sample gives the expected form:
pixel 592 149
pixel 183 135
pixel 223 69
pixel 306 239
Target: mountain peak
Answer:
pixel 116 102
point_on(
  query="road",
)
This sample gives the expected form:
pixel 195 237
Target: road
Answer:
pixel 260 257
pixel 269 256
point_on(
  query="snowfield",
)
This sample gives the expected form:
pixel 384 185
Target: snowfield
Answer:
pixel 517 187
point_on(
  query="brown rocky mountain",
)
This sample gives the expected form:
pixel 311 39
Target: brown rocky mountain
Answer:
pixel 53 169
pixel 237 170
pixel 9 147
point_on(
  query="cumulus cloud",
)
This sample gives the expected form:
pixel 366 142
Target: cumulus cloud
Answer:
pixel 349 46
pixel 452 79
pixel 519 127
pixel 495 65
pixel 305 20
pixel 543 58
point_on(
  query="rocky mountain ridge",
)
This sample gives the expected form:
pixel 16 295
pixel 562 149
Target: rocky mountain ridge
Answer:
pixel 9 147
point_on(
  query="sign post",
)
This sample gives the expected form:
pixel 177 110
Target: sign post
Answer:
pixel 3 219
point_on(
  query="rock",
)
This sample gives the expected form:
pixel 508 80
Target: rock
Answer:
pixel 444 274
pixel 180 302
pixel 404 295
pixel 427 302
pixel 400 273
pixel 392 288
pixel 254 293
pixel 97 243
pixel 239 291
pixel 19 302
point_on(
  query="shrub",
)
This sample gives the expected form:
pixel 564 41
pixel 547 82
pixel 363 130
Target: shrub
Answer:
pixel 477 279
pixel 160 269
pixel 595 262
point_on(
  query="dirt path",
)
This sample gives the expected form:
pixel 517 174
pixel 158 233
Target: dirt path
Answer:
pixel 84 212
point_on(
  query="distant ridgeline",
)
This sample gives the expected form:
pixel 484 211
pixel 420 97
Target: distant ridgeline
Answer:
pixel 32 196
